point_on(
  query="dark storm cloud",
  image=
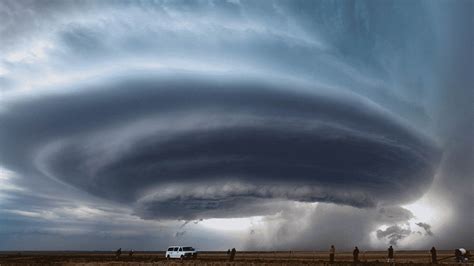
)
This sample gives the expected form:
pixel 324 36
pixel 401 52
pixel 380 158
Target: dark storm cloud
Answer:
pixel 273 142
pixel 237 146
pixel 427 228
pixel 288 37
pixel 394 214
pixel 393 233
pixel 454 113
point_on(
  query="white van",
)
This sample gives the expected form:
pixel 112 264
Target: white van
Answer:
pixel 180 252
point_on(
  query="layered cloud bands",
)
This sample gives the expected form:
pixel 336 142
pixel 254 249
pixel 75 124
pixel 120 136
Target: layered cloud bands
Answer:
pixel 190 146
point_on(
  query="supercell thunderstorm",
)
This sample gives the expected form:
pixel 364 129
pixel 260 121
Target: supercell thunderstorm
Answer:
pixel 227 109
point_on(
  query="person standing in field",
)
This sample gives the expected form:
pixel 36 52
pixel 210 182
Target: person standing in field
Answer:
pixel 332 251
pixel 434 259
pixel 355 254
pixel 232 254
pixel 118 253
pixel 458 255
pixel 390 254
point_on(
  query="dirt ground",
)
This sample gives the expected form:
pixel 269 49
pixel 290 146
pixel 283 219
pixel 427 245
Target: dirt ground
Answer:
pixel 218 258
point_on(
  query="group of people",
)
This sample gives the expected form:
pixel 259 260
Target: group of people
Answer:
pixel 119 252
pixel 355 254
pixel 459 254
pixel 231 254
pixel 390 258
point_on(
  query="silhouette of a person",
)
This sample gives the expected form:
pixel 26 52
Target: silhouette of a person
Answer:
pixel 355 254
pixel 458 254
pixel 390 254
pixel 118 253
pixel 232 254
pixel 434 258
pixel 130 253
pixel 332 251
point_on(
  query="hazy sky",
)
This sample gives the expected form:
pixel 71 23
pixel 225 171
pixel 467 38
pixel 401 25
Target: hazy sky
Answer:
pixel 247 124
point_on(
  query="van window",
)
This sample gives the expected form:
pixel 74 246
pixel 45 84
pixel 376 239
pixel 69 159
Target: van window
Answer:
pixel 180 249
pixel 170 249
pixel 188 249
pixel 175 249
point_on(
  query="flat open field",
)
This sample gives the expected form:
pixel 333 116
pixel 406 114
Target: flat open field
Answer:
pixel 216 258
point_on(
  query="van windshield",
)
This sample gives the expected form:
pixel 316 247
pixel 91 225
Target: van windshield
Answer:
pixel 188 249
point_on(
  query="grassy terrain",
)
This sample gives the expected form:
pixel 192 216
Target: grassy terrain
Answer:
pixel 215 258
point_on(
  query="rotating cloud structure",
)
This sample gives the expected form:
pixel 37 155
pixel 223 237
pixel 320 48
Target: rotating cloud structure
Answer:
pixel 198 146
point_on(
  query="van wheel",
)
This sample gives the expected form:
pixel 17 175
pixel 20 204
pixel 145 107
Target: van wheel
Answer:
pixel 182 257
pixel 168 257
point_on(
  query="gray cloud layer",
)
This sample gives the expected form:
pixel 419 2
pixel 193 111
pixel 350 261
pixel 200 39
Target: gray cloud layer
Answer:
pixel 189 110
pixel 271 141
